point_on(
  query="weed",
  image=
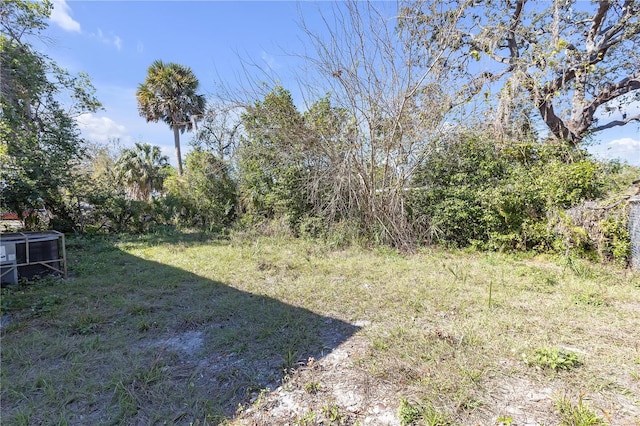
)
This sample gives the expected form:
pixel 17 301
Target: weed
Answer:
pixel 45 304
pixel 286 377
pixel 86 324
pixel 474 375
pixel 576 414
pixel 432 417
pixel 126 401
pixel 554 359
pixel 145 325
pixel 408 413
pixel 23 419
pixel 504 420
pixel 459 274
pixel 261 396
pixel 332 413
pixel 306 420
pixel 412 413
pixel 33 297
pixel 312 387
pixel 380 344
pixel 290 359
pixel 136 390
pixel 580 268
pixel 138 310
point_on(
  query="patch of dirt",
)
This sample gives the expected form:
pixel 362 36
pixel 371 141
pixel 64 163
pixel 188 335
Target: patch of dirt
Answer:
pixel 526 402
pixel 331 389
pixel 188 343
pixel 360 398
pixel 531 403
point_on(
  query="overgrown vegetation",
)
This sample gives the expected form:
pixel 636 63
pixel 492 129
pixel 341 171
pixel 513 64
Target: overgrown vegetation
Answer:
pixel 413 413
pixel 377 162
pixel 516 196
pixel 554 359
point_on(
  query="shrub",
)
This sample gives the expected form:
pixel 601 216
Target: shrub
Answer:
pixel 204 197
pixel 472 193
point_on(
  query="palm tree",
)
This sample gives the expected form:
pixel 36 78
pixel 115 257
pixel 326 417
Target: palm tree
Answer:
pixel 142 170
pixel 169 94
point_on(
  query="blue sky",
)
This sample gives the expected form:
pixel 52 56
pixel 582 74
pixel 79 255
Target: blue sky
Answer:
pixel 114 42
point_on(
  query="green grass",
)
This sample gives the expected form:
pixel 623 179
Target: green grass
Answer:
pixel 183 328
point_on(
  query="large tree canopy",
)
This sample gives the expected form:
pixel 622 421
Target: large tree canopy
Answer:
pixel 573 59
pixel 40 139
pixel 169 94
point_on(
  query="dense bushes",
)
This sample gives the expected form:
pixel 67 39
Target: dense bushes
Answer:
pixel 449 197
pixel 472 192
pixel 204 197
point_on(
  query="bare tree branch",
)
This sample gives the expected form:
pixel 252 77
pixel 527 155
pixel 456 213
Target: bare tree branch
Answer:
pixel 614 123
pixel 611 92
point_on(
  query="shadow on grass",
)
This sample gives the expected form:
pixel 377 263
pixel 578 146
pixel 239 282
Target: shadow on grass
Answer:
pixel 131 341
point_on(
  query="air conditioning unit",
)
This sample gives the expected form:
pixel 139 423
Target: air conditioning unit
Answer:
pixel 32 254
pixel 8 264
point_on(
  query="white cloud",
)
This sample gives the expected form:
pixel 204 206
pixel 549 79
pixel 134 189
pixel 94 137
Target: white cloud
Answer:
pixel 626 149
pixel 626 144
pixel 60 16
pixel 101 129
pixel 108 39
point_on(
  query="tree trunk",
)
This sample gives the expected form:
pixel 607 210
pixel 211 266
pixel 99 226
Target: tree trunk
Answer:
pixel 176 140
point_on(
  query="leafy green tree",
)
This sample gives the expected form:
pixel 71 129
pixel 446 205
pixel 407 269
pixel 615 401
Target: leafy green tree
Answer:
pixel 271 157
pixel 142 170
pixel 41 143
pixel 169 94
pixel 300 166
pixel 106 199
pixel 211 191
pixel 204 197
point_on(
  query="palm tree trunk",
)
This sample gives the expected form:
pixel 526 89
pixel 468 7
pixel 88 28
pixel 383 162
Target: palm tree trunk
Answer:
pixel 176 140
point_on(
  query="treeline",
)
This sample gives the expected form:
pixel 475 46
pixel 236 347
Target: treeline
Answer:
pixel 408 138
pixel 300 173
